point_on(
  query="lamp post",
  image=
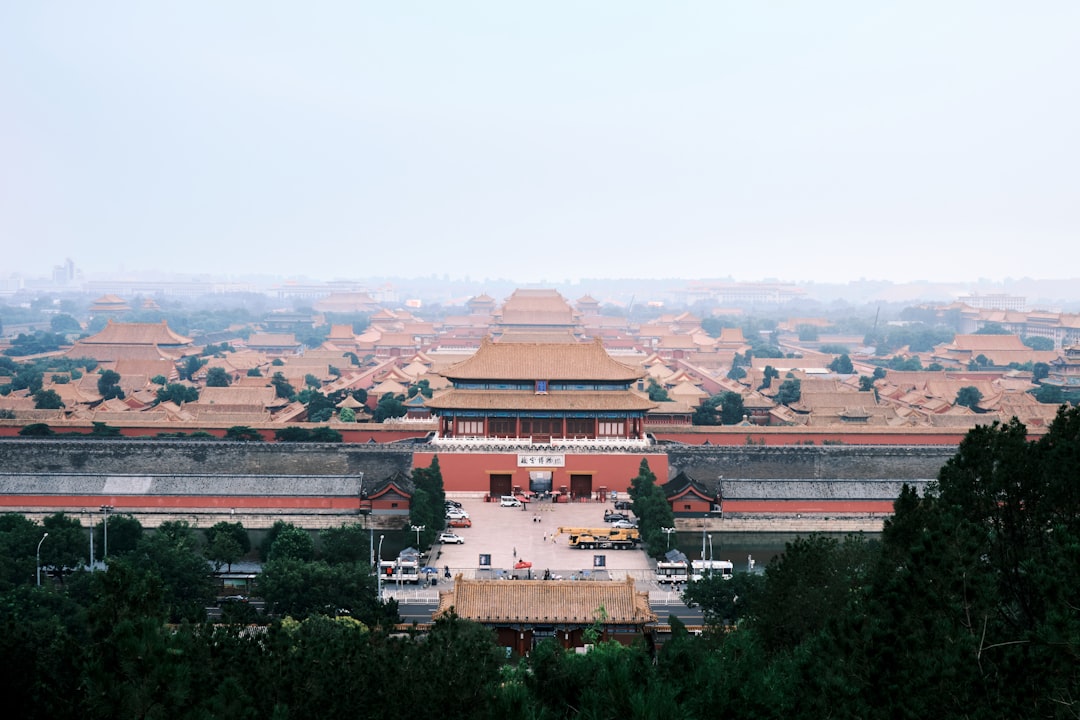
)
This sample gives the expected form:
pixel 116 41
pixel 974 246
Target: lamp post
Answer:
pixel 668 531
pixel 710 548
pixel 106 509
pixel 38 555
pixel 378 568
pixel 417 529
pixel 91 542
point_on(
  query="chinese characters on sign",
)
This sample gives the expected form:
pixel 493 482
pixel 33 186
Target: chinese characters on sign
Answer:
pixel 541 460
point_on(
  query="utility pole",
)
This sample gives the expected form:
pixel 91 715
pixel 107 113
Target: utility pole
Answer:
pixel 106 509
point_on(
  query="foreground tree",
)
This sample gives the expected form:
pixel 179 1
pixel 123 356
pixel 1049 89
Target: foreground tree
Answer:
pixel 226 543
pixel 651 508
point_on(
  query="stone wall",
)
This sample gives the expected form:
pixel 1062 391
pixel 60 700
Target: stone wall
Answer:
pixel 816 468
pixel 202 457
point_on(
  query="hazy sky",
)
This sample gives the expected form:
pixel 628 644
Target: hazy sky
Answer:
pixel 806 141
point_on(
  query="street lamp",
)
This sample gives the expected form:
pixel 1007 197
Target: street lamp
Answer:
pixel 91 542
pixel 417 529
pixel 39 558
pixel 710 548
pixel 106 509
pixel 668 531
pixel 378 568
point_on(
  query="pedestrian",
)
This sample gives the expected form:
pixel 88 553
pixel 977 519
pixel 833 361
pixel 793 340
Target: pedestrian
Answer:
pixel 515 553
pixel 545 537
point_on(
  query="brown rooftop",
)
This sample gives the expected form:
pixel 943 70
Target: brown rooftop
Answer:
pixel 547 601
pixel 542 361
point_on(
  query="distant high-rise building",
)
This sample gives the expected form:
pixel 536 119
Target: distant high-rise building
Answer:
pixel 65 273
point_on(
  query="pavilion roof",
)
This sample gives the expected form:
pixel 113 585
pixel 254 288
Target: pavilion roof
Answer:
pixel 121 333
pixel 542 361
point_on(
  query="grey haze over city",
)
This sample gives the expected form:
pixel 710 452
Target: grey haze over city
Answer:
pixel 818 142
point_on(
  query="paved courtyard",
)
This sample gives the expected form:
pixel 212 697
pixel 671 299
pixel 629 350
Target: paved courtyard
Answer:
pixel 509 535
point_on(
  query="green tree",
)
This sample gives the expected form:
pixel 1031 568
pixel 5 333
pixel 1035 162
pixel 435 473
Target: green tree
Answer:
pixel 302 589
pixel 177 393
pixel 657 393
pixel 350 543
pixel 66 548
pixel 1049 394
pixel 172 554
pixel 789 392
pixel 725 601
pixel 651 508
pixel 282 388
pixel 969 397
pixel 705 413
pixel 217 377
pixel 64 323
pixel 103 430
pixel 125 534
pixel 842 365
pixel 243 433
pixel 809 586
pixel 390 406
pixel 37 430
pixel 320 408
pixel 191 366
pixel 421 387
pixel 226 543
pixel 292 433
pixel 429 501
pixel 19 537
pixel 47 400
pixel 1040 371
pixel 347 415
pixel 292 543
pixel 325 435
pixel 770 373
pixel 732 410
pixel 108 385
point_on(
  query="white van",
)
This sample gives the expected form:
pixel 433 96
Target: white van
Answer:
pixel 509 501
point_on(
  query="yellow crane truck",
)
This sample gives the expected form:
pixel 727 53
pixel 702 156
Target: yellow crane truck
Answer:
pixel 602 538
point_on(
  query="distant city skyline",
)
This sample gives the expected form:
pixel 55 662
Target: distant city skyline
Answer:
pixel 806 143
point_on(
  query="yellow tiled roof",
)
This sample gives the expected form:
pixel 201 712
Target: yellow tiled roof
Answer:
pixel 137 334
pixel 542 361
pixel 546 601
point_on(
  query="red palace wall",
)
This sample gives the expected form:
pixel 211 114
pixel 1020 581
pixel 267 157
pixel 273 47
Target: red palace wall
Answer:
pixel 818 436
pixel 471 472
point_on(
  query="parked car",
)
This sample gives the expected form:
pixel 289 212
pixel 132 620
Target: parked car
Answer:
pixel 456 514
pixel 459 522
pixel 509 501
pixel 613 516
pixel 450 538
pixel 452 504
pixel 624 524
pixel 624 505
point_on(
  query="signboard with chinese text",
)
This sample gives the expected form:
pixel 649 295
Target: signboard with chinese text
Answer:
pixel 531 460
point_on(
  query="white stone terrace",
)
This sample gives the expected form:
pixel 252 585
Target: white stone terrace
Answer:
pixel 584 445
